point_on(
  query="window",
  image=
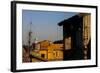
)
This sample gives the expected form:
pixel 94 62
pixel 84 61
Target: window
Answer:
pixel 68 43
pixel 43 55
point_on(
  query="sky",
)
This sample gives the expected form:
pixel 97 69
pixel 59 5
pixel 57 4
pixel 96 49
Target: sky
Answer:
pixel 44 25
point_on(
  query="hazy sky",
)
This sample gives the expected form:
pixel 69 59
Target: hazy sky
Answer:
pixel 44 24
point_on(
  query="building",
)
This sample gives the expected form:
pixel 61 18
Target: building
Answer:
pixel 49 51
pixel 76 37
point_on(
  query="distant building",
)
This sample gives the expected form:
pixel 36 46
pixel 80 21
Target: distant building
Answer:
pixel 49 51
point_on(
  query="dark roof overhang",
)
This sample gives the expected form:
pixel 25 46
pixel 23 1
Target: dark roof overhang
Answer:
pixel 68 21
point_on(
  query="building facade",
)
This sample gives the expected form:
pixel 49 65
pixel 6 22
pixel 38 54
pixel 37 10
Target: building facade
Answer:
pixel 76 36
pixel 48 51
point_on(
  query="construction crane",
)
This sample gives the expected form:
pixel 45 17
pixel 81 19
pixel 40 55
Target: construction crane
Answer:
pixel 29 40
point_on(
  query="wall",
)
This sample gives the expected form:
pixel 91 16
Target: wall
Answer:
pixel 5 36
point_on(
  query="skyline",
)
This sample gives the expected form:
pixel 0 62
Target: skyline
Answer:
pixel 44 24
